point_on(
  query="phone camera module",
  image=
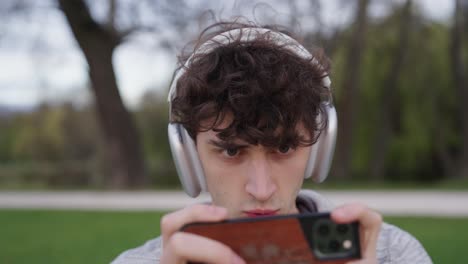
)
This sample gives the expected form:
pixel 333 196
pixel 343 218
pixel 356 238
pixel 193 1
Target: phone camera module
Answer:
pixel 334 245
pixel 342 229
pixel 330 240
pixel 324 230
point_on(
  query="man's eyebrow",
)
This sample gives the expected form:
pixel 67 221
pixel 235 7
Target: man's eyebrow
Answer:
pixel 226 144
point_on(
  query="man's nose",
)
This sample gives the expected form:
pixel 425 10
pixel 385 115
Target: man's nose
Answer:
pixel 260 184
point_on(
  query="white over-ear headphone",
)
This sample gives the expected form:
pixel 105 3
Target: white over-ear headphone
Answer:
pixel 183 147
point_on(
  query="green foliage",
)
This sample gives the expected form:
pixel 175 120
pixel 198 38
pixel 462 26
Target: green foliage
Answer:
pixel 52 146
pixel 425 115
pixel 61 145
pixel 54 133
pixel 152 118
pixel 7 136
pixel 425 85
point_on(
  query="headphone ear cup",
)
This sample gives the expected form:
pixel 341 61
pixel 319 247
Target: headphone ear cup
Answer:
pixel 321 153
pixel 186 160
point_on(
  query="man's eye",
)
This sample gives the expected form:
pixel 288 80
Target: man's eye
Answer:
pixel 284 149
pixel 231 152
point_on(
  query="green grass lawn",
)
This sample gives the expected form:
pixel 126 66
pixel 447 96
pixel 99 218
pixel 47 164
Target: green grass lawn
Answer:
pixel 445 239
pixel 28 236
pixel 72 236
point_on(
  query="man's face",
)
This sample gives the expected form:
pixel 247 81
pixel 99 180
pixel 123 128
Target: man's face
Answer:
pixel 251 180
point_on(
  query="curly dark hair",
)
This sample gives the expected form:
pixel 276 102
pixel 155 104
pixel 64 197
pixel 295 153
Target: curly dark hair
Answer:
pixel 266 89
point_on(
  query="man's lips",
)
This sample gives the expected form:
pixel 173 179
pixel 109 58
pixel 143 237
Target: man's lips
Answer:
pixel 260 212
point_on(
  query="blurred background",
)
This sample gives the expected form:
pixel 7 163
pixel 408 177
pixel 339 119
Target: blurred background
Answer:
pixel 83 88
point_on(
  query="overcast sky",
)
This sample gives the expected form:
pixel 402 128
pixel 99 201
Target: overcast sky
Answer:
pixel 28 76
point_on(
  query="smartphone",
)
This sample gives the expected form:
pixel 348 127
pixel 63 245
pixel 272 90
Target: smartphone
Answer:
pixel 292 239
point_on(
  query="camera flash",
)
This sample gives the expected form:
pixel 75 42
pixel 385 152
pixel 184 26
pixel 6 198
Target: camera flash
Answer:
pixel 347 244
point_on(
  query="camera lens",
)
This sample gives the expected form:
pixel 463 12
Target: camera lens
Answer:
pixel 342 229
pixel 334 245
pixel 324 230
pixel 322 246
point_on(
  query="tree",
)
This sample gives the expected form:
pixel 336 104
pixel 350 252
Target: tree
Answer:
pixel 349 99
pixel 386 122
pixel 98 42
pixel 460 79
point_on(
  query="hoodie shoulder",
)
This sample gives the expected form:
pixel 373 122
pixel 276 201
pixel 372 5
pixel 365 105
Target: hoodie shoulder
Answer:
pixel 396 246
pixel 150 252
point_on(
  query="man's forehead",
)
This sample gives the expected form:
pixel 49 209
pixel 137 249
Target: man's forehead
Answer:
pixel 224 130
pixel 214 133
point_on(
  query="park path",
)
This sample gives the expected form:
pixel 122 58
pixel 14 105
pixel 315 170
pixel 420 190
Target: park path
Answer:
pixel 411 203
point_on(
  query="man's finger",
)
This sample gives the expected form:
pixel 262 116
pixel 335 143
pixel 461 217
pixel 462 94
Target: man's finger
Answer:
pixel 370 223
pixel 181 246
pixel 357 212
pixel 172 222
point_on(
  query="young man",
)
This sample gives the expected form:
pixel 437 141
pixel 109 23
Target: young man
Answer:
pixel 251 117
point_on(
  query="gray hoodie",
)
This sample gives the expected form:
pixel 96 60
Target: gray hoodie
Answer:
pixel 394 246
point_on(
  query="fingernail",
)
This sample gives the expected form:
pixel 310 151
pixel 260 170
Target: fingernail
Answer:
pixel 236 259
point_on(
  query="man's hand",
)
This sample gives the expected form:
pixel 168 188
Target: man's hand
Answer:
pixel 370 222
pixel 180 247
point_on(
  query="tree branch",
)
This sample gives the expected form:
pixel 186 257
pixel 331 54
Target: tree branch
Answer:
pixel 80 19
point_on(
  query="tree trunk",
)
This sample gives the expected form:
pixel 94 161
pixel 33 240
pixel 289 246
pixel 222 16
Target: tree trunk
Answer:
pixel 389 101
pixel 459 75
pixel 442 152
pixel 348 104
pixel 123 149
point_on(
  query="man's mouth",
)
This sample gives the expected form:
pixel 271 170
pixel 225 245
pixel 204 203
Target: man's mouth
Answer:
pixel 261 212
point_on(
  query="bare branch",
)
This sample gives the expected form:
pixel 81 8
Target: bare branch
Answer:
pixel 80 19
pixel 111 14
